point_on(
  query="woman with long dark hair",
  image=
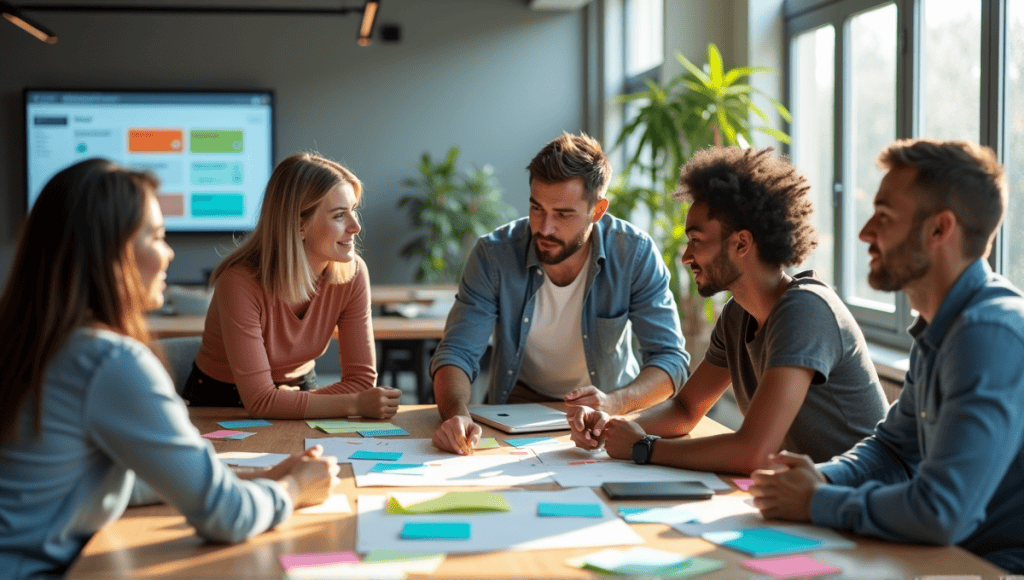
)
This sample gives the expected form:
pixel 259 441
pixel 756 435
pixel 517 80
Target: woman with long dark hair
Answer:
pixel 86 406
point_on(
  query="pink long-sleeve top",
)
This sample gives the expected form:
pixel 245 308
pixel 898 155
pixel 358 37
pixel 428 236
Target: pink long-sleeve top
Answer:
pixel 257 342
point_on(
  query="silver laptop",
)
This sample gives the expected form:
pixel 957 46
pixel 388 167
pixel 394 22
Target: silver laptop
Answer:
pixel 522 418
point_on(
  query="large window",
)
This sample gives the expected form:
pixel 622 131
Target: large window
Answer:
pixel 899 68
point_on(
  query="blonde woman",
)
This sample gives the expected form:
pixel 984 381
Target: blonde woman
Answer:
pixel 87 412
pixel 280 296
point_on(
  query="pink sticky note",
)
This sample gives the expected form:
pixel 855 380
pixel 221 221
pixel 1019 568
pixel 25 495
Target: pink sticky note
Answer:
pixel 743 484
pixel 790 566
pixel 289 561
pixel 222 433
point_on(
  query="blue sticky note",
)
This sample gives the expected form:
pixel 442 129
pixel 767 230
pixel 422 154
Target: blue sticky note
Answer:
pixel 569 510
pixel 762 541
pixel 435 531
pixel 239 436
pixel 400 468
pixel 244 423
pixel 662 515
pixel 397 431
pixel 527 441
pixel 376 455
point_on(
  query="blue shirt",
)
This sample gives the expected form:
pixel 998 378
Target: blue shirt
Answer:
pixel 110 413
pixel 627 292
pixel 946 465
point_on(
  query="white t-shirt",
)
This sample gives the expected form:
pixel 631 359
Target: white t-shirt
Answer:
pixel 554 363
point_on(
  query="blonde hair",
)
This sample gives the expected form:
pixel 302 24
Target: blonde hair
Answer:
pixel 274 251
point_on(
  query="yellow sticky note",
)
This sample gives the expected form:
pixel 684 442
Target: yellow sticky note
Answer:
pixel 487 443
pixel 453 502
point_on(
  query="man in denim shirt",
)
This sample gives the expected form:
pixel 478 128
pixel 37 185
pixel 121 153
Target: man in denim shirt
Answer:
pixel 563 292
pixel 946 466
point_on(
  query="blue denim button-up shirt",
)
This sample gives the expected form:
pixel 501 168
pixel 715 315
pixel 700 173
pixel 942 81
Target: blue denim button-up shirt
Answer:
pixel 626 292
pixel 946 465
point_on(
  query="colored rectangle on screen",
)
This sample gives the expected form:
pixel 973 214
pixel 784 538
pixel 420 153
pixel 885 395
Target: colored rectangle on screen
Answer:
pixel 215 141
pixel 217 204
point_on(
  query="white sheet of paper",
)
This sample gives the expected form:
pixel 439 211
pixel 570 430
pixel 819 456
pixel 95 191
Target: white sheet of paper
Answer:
pixel 442 469
pixel 563 461
pixel 337 503
pixel 251 459
pixel 518 529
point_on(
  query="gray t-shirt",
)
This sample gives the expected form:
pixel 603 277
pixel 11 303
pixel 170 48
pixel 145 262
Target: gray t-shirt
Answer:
pixel 808 327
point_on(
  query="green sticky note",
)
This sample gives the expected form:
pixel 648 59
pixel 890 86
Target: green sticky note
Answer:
pixel 487 443
pixel 389 555
pixel 435 531
pixel 569 510
pixel 453 502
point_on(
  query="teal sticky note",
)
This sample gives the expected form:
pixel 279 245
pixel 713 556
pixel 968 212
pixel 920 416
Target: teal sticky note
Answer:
pixel 569 510
pixel 396 432
pixel 762 541
pixel 663 515
pixel 435 531
pixel 241 435
pixel 244 423
pixel 376 455
pixel 400 468
pixel 528 441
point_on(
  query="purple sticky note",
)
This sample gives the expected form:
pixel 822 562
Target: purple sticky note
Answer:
pixel 791 566
pixel 289 561
pixel 221 434
pixel 743 484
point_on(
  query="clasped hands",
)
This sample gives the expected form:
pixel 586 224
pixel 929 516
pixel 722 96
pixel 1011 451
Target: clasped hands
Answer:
pixel 592 428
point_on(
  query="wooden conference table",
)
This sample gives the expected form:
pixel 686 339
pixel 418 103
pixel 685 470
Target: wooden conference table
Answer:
pixel 156 542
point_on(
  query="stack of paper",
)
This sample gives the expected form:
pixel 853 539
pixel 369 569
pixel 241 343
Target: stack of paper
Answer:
pixel 335 426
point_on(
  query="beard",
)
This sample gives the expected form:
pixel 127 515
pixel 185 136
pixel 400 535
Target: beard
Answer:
pixel 718 275
pixel 905 263
pixel 561 254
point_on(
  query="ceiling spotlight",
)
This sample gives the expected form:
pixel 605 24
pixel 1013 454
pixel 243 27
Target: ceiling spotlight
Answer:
pixel 16 18
pixel 366 27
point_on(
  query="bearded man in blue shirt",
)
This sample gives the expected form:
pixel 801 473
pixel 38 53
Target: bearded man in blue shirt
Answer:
pixel 564 292
pixel 946 465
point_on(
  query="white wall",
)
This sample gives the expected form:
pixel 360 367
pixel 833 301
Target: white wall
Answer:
pixel 489 76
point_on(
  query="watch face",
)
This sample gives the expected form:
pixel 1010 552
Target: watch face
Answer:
pixel 641 451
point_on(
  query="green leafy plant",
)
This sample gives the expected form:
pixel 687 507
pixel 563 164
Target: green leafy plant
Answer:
pixel 696 109
pixel 450 209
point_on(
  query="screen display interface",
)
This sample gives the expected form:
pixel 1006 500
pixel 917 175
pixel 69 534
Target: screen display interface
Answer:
pixel 213 151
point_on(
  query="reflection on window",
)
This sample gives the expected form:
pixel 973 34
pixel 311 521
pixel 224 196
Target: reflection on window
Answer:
pixel 813 106
pixel 1013 262
pixel 644 47
pixel 870 126
pixel 950 71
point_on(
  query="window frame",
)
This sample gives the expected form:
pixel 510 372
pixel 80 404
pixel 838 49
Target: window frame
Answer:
pixel 801 16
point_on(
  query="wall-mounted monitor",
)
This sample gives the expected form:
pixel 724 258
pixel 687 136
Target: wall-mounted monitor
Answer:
pixel 213 150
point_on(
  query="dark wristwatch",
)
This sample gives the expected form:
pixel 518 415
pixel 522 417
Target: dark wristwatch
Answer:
pixel 642 449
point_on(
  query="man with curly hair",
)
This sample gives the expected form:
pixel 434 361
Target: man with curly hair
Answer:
pixel 947 464
pixel 796 358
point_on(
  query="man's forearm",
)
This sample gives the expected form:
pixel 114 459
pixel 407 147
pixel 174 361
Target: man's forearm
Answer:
pixel 452 391
pixel 649 388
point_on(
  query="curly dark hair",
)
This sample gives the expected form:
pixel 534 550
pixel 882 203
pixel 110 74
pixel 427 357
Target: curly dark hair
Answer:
pixel 753 190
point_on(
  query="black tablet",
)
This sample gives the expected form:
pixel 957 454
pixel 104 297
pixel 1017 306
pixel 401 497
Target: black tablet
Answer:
pixel 657 490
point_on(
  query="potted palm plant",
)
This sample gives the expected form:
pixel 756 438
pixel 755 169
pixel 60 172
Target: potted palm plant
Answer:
pixel 698 108
pixel 449 210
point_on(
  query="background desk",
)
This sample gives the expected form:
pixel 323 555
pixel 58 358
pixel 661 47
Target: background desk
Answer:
pixel 155 541
pixel 384 327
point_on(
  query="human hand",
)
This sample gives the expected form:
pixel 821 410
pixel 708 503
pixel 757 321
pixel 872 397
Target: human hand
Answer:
pixel 380 402
pixel 619 437
pixel 785 493
pixel 281 469
pixel 459 435
pixel 587 426
pixel 591 396
pixel 288 388
pixel 314 477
